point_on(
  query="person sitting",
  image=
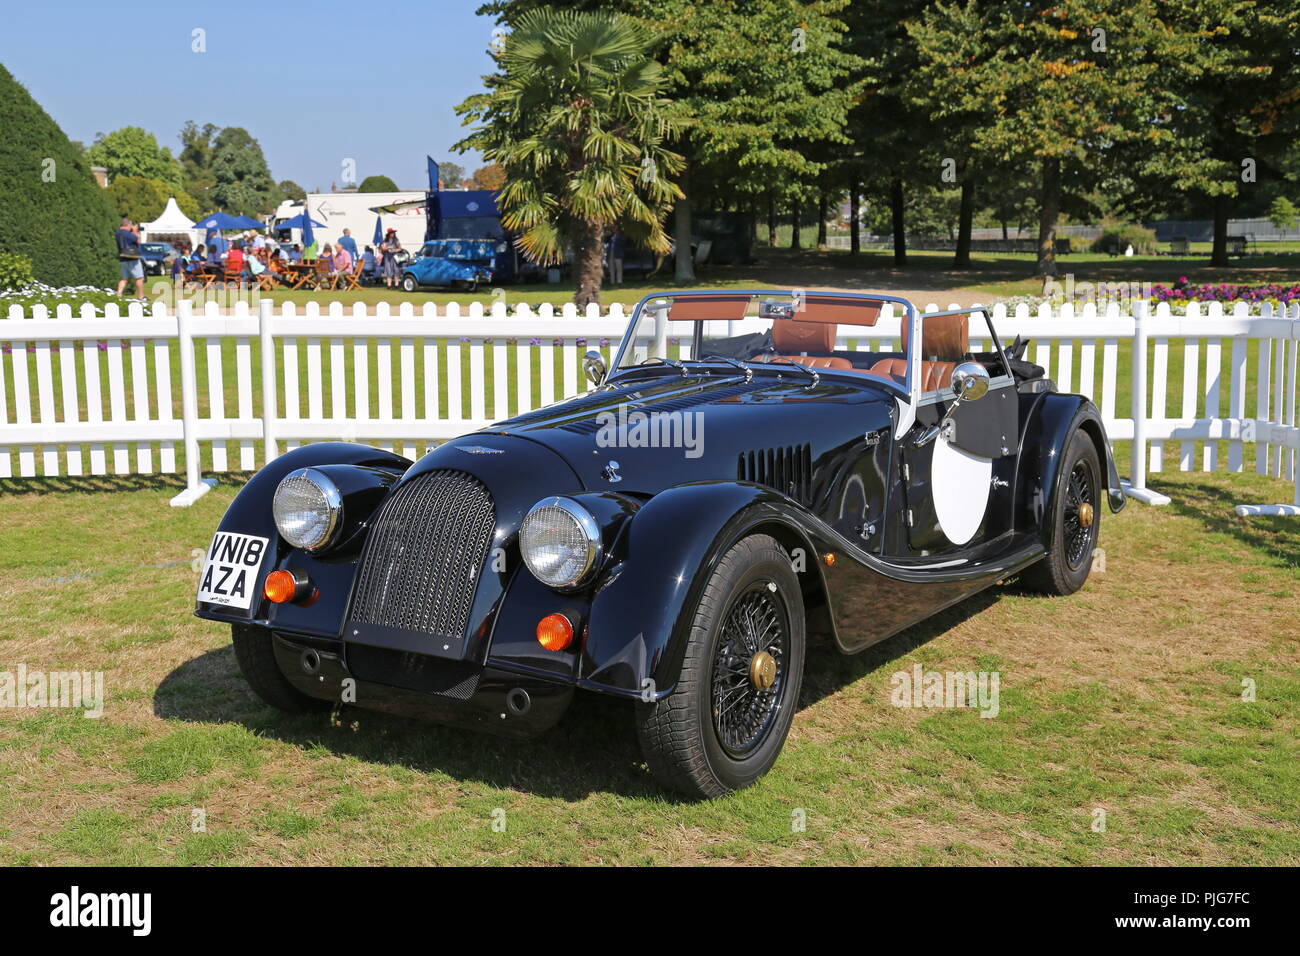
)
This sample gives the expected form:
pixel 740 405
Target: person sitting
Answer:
pixel 368 263
pixel 235 258
pixel 342 260
pixel 295 254
pixel 327 254
pixel 198 260
pixel 275 266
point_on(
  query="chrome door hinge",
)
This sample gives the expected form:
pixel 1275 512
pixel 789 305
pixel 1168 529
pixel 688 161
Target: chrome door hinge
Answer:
pixel 910 520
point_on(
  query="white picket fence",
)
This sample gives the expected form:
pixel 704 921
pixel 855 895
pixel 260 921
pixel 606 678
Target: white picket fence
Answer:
pixel 146 393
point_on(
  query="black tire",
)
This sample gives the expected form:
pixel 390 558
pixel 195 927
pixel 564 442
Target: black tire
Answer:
pixel 410 284
pixel 689 745
pixel 470 285
pixel 257 662
pixel 1072 535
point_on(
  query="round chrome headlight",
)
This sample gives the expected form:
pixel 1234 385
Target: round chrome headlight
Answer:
pixel 308 509
pixel 560 542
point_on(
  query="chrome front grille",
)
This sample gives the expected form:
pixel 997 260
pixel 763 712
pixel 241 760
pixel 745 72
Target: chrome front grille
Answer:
pixel 421 562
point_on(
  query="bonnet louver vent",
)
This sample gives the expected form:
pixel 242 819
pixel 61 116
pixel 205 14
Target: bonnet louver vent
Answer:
pixel 788 470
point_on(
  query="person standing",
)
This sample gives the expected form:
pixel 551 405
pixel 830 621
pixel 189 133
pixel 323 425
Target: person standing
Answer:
pixel 617 252
pixel 347 242
pixel 388 250
pixel 128 258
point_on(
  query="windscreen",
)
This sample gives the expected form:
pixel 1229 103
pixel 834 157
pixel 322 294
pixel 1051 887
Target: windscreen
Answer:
pixel 820 331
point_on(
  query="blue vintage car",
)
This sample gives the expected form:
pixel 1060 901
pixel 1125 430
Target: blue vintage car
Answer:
pixel 461 263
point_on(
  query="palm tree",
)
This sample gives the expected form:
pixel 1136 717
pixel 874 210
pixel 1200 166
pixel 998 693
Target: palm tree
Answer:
pixel 575 119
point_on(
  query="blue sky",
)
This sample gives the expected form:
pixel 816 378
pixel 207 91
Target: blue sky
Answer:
pixel 315 83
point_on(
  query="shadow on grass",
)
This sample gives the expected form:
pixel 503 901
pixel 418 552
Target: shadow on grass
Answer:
pixel 1210 505
pixel 592 750
pixel 98 484
pixel 91 484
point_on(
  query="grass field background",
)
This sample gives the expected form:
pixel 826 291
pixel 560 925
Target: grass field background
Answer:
pixel 1126 697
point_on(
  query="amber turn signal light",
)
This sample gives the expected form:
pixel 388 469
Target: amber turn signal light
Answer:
pixel 281 587
pixel 555 632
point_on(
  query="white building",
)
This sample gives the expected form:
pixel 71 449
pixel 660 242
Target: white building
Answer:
pixel 355 211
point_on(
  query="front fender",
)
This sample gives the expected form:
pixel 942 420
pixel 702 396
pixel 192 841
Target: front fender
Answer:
pixel 250 513
pixel 640 615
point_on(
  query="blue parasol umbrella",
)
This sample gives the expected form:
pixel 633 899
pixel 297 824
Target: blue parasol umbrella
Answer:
pixel 221 221
pixel 379 231
pixel 308 239
pixel 300 221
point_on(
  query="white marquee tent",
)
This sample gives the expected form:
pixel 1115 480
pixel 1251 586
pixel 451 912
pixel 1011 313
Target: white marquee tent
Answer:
pixel 172 222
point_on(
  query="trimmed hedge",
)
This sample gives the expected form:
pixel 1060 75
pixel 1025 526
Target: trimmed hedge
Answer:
pixel 65 226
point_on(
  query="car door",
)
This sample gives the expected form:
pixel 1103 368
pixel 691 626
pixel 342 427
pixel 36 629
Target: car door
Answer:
pixel 957 479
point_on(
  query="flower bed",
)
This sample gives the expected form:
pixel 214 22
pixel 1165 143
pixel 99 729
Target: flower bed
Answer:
pixel 1183 291
pixel 51 297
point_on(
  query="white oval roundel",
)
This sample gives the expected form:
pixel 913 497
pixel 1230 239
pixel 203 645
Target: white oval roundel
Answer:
pixel 960 485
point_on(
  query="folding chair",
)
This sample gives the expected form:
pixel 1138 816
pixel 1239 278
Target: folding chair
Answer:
pixel 324 278
pixel 352 280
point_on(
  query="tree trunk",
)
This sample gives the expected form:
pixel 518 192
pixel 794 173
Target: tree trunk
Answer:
pixel 896 221
pixel 822 202
pixel 855 228
pixel 771 220
pixel 965 219
pixel 1049 210
pixel 1219 255
pixel 587 263
pixel 796 215
pixel 685 264
pixel 1004 232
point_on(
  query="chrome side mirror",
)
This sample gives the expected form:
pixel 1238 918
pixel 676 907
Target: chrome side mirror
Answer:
pixel 593 364
pixel 970 381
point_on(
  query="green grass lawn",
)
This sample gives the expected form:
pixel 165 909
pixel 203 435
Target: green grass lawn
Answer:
pixel 1126 697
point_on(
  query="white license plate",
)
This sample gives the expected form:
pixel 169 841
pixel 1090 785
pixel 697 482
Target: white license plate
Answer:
pixel 230 570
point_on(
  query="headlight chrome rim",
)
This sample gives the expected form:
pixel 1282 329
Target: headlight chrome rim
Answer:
pixel 587 525
pixel 333 500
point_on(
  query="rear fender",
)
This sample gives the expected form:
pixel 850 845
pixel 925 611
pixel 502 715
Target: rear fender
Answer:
pixel 1049 426
pixel 642 610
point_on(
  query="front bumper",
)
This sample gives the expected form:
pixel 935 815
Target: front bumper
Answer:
pixel 460 694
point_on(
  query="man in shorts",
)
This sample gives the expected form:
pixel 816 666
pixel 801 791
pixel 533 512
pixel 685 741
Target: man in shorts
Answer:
pixel 128 258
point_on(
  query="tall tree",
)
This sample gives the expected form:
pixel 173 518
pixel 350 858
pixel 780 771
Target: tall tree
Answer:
pixel 377 184
pixel 577 120
pixel 242 183
pixel 451 174
pixel 1227 138
pixel 757 80
pixel 491 176
pixel 291 190
pixel 196 159
pixel 132 151
pixel 1053 86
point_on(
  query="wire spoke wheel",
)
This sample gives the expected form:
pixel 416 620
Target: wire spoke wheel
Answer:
pixel 1080 513
pixel 750 668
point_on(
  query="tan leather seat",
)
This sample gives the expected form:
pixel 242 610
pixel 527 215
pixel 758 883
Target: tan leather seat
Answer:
pixel 801 341
pixel 945 341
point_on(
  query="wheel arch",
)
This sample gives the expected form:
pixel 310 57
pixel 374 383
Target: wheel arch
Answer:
pixel 666 555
